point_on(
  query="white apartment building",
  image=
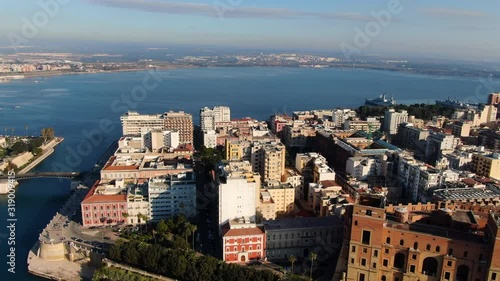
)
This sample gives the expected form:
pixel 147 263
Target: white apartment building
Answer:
pixel 171 138
pixel 210 116
pixel 363 167
pixel 133 123
pixel 392 119
pixel 172 195
pixel 209 138
pixel 238 191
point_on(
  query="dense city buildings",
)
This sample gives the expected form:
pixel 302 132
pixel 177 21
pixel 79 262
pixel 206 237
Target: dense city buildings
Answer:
pixel 486 165
pixel 182 122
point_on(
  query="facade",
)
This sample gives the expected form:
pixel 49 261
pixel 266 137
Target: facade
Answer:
pixel 152 139
pixel 420 242
pixel 460 129
pixel 283 196
pixel 209 138
pixel 392 119
pixel 301 236
pixel 137 204
pixel 182 122
pixel 299 135
pixel 409 136
pixel 486 165
pixel 209 117
pixel 242 241
pixel 266 209
pixel 269 160
pixel 133 123
pixel 238 192
pixel 370 125
pixel 105 204
pixel 439 144
pixel 172 195
pixel 363 167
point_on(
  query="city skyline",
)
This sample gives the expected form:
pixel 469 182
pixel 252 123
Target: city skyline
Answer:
pixel 451 29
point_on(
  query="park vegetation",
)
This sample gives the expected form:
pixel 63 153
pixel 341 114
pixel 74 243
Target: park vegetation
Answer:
pixel 118 274
pixel 181 264
pixel 420 111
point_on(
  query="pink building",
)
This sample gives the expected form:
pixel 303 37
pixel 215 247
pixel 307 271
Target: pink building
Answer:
pixel 104 205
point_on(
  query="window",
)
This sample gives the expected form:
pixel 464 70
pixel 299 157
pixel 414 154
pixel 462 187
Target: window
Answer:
pixel 396 278
pixel 383 278
pixel 448 263
pixel 385 262
pixel 352 260
pixel 412 268
pixel 388 240
pixel 450 252
pixel 374 265
pixel 446 276
pixel 363 262
pixel 375 253
pixel 413 257
pixel 428 247
pixel 438 249
pixel 356 223
pixel 353 249
pixel 366 237
pixel 401 242
pixel 369 213
pixel 387 251
pixel 494 276
pixel 361 277
pixel 365 250
pixel 399 261
pixel 415 245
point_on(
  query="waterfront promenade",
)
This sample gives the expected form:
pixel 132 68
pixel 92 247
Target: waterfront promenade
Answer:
pixel 47 150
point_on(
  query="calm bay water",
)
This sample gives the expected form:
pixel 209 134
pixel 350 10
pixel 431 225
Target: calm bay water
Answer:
pixel 75 103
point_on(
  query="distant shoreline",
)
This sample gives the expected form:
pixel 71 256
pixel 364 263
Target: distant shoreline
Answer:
pixel 6 78
pixel 36 74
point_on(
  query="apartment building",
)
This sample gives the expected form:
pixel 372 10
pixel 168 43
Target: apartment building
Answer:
pixel 172 195
pixel 486 165
pixel 182 122
pixel 209 117
pixel 392 119
pixel 133 123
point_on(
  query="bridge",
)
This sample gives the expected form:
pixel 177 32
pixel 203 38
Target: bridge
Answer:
pixel 60 175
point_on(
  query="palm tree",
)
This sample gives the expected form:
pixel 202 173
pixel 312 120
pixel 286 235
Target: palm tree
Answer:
pixel 145 218
pixel 312 256
pixel 191 228
pixel 292 259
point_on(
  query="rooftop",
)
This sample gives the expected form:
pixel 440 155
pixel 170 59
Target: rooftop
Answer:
pixel 301 222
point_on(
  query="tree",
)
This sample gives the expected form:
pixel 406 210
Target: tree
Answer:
pixel 162 227
pixel 143 218
pixel 19 147
pixel 48 133
pixel 292 259
pixel 192 228
pixel 312 256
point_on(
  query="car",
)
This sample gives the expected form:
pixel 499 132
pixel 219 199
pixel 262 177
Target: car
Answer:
pixel 79 240
pixel 73 238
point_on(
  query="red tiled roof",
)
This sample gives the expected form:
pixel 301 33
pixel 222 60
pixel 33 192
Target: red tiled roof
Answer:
pixel 119 168
pixel 99 198
pixel 243 232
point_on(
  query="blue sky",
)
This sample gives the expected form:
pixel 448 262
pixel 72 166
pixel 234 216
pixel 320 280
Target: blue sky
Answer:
pixel 448 28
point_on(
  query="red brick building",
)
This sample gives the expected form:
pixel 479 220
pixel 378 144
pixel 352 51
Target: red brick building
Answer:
pixel 243 242
pixel 104 205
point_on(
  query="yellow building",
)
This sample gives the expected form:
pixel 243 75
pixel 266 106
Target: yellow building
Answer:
pixel 234 150
pixel 486 165
pixel 283 196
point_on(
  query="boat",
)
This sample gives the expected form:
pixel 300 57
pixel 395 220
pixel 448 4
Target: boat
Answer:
pixel 382 100
pixel 456 103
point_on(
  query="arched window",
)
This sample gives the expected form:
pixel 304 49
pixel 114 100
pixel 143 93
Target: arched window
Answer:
pixel 465 254
pixel 462 273
pixel 450 252
pixel 388 240
pixel 415 245
pixel 428 247
pixel 430 266
pixel 401 242
pixel 399 261
pixel 438 249
pixel 383 278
